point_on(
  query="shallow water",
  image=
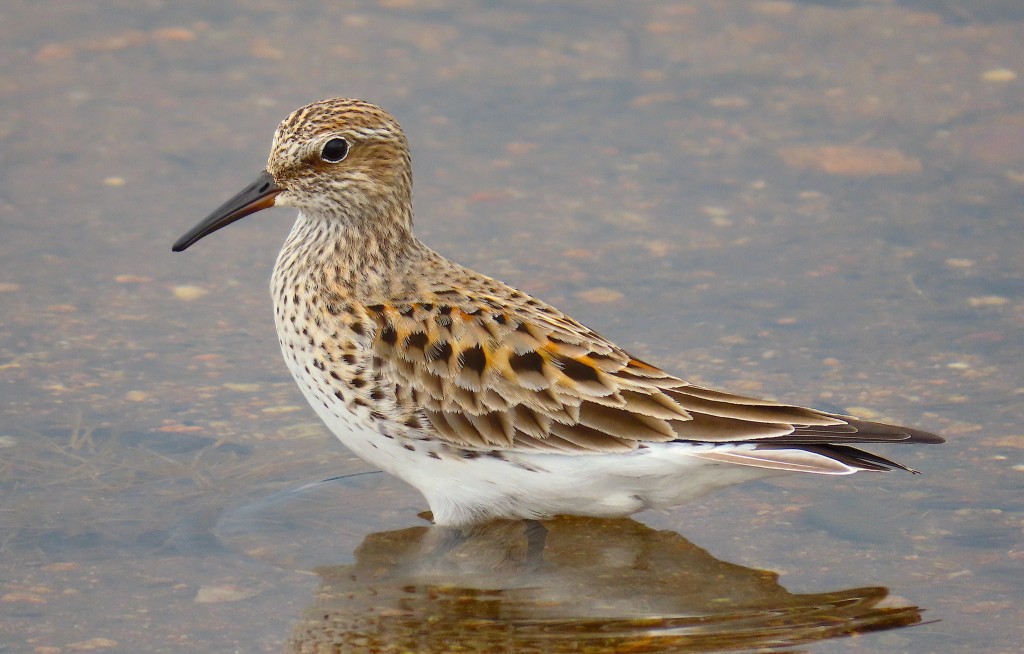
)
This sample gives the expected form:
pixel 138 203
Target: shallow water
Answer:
pixel 818 202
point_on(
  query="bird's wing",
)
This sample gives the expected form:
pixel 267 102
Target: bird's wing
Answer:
pixel 487 377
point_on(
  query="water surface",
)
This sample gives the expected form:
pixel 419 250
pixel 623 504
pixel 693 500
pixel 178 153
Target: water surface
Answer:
pixel 817 202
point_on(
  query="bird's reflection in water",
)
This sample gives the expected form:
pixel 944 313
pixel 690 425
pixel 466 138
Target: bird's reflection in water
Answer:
pixel 571 585
pixel 564 585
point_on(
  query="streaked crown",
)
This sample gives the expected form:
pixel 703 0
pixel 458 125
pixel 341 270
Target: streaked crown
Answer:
pixel 342 158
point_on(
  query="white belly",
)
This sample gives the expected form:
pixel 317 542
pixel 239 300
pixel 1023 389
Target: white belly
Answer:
pixel 462 487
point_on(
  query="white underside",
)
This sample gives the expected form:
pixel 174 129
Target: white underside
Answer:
pixel 534 485
pixel 602 485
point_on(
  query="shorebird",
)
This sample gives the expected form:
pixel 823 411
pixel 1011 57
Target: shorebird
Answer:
pixel 490 402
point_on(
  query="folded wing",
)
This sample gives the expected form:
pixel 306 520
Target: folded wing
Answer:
pixel 485 378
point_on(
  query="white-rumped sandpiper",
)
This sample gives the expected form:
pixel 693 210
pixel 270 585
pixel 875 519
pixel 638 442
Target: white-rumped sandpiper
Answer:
pixel 492 403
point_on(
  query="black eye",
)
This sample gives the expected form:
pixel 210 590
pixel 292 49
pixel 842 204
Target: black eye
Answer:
pixel 334 150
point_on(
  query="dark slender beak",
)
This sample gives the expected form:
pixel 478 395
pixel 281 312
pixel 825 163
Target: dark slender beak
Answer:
pixel 255 197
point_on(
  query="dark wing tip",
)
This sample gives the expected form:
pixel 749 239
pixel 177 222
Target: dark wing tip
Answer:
pixel 899 434
pixel 857 458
